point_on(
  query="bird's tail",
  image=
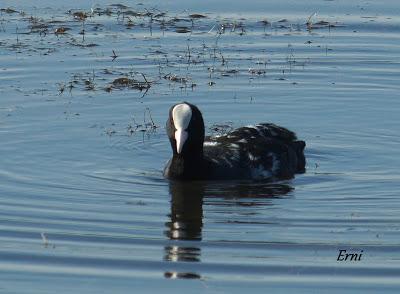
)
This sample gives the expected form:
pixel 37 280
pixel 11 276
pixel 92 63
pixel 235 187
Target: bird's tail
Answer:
pixel 301 160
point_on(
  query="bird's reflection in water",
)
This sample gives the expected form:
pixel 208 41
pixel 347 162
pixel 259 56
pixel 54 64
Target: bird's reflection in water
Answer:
pixel 186 222
pixel 186 211
pixel 186 218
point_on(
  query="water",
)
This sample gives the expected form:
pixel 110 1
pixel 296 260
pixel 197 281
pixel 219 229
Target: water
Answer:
pixel 83 203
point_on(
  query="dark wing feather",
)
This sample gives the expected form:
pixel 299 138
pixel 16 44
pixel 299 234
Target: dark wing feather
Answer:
pixel 266 130
pixel 274 131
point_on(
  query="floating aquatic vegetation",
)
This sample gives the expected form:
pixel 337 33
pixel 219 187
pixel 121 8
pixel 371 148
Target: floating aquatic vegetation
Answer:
pixel 125 82
pixel 255 71
pixel 209 60
pixel 221 129
pixel 182 30
pixel 61 30
pixel 8 10
pixel 175 78
pixel 196 15
pixel 80 15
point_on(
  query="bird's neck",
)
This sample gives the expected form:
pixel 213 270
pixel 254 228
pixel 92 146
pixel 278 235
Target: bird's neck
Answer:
pixel 190 160
pixel 188 166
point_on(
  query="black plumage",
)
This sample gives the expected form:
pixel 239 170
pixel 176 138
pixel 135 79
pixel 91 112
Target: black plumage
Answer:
pixel 261 152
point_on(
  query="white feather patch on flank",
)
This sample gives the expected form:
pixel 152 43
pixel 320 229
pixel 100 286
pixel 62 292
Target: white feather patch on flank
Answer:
pixel 215 160
pixel 235 156
pixel 252 157
pixel 210 143
pixel 181 115
pixel 260 172
pixel 275 162
pixel 226 159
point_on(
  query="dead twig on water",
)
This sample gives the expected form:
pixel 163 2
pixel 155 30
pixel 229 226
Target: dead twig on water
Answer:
pixel 114 56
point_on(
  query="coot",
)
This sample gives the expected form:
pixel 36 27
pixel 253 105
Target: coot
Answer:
pixel 264 151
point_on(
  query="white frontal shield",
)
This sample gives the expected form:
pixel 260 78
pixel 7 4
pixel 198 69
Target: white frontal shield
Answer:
pixel 181 115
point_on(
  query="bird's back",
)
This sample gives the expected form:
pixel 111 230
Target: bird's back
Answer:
pixel 263 151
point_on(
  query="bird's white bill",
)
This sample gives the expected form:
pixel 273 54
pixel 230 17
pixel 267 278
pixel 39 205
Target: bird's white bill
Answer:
pixel 180 138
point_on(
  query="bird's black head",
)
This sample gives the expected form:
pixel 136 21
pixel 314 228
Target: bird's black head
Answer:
pixel 185 129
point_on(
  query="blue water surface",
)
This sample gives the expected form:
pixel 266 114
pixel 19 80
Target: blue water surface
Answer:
pixel 83 204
